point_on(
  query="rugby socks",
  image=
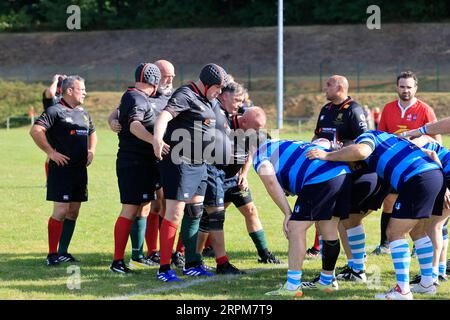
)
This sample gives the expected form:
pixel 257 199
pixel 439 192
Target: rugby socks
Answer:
pixel 320 244
pixel 54 233
pixel 180 245
pixel 385 217
pixel 357 241
pixel 121 232
pixel 316 241
pixel 189 233
pixel 137 235
pixel 442 268
pixel 167 235
pixel 151 232
pixel 325 279
pixel 424 249
pixel 401 258
pixel 259 239
pixel 350 263
pixel 331 249
pixel 66 235
pixel 294 279
pixel 221 260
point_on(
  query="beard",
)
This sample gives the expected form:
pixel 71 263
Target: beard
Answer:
pixel 165 90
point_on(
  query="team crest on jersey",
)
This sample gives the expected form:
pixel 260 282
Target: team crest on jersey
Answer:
pixel 414 117
pixel 322 117
pixel 398 205
pixel 69 119
pixel 145 196
pixel 408 117
pixel 297 209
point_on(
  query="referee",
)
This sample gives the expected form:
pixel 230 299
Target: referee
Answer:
pixel 341 121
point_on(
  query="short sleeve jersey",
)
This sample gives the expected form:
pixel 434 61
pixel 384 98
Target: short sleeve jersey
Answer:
pixel 293 169
pixel 395 119
pixel 158 103
pixel 395 159
pixel 443 154
pixel 221 154
pixel 192 125
pixel 342 122
pixel 67 131
pixel 135 105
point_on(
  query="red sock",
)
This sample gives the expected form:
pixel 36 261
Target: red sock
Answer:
pixel 46 169
pixel 180 245
pixel 151 233
pixel 167 236
pixel 221 260
pixel 121 233
pixel 54 233
pixel 316 242
pixel 208 242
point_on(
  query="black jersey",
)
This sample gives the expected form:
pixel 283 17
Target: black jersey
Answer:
pixel 192 128
pixel 240 144
pixel 46 102
pixel 67 131
pixel 221 154
pixel 342 122
pixel 135 105
pixel 158 103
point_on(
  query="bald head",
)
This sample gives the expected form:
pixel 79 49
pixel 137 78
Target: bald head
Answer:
pixel 254 118
pixel 336 88
pixel 167 74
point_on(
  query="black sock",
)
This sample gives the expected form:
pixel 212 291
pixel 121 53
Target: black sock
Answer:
pixel 330 254
pixel 385 217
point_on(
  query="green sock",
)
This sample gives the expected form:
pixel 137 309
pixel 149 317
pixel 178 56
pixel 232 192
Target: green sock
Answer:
pixel 189 233
pixel 66 235
pixel 259 239
pixel 137 235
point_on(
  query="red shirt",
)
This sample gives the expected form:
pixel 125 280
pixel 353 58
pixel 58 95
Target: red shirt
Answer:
pixel 395 119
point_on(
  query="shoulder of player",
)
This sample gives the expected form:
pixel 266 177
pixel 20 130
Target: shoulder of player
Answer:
pixel 422 104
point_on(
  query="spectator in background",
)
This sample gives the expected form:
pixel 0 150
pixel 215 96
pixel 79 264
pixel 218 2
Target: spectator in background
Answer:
pixel 369 118
pixel 376 115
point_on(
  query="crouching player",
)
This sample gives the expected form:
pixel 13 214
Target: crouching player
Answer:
pixel 323 190
pixel 410 172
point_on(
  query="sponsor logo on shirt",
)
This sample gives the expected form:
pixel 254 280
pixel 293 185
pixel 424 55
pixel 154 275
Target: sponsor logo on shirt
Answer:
pixel 78 132
pixel 69 119
pixel 297 209
pixel 66 197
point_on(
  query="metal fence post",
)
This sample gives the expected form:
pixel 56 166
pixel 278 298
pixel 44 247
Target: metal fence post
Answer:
pixel 7 123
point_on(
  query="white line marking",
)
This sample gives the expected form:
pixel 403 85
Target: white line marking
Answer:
pixel 190 283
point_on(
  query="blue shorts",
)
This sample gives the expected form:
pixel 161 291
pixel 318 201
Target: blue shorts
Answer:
pixel 137 180
pixel 182 181
pixel 234 194
pixel 421 196
pixel 325 200
pixel 214 195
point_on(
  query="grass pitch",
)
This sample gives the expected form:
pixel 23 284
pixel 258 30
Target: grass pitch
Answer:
pixel 23 240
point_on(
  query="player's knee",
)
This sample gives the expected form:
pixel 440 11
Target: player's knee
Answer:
pixel 204 223
pixel 330 252
pixel 216 220
pixel 194 210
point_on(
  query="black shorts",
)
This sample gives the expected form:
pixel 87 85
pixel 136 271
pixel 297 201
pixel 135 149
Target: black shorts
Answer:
pixel 67 184
pixel 322 201
pixel 368 192
pixel 182 181
pixel 421 196
pixel 137 180
pixel 234 194
pixel 214 195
